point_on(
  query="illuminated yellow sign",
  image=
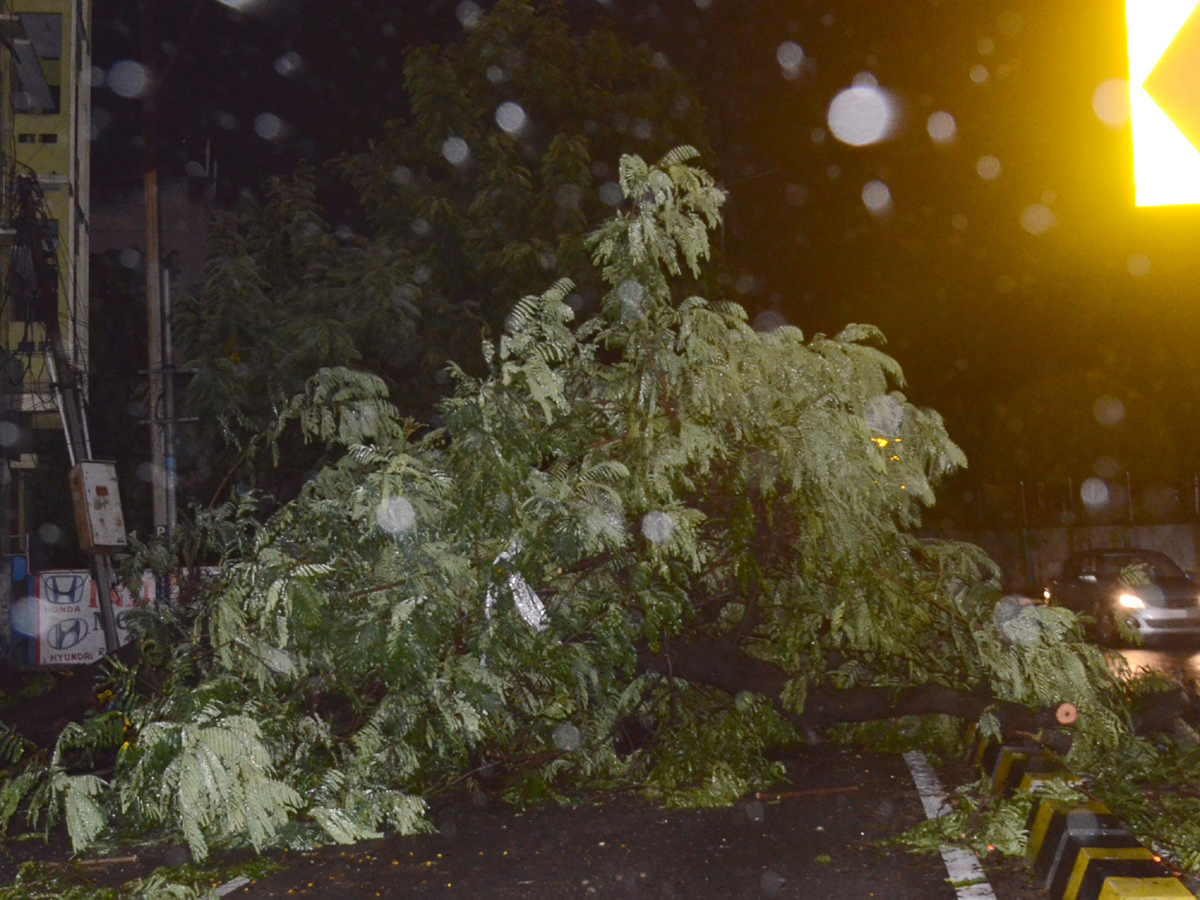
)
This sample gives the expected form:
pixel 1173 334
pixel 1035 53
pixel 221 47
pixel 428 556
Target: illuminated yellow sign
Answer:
pixel 1164 99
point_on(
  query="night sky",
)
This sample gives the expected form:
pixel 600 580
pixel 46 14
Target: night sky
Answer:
pixel 1024 341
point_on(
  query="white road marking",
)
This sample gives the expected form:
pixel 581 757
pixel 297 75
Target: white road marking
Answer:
pixel 962 864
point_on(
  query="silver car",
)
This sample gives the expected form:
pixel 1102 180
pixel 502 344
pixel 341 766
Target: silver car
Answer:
pixel 1143 587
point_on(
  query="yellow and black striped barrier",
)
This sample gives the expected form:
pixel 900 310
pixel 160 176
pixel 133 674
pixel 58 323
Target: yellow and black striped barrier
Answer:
pixel 1077 850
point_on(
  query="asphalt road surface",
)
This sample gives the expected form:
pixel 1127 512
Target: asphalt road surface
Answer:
pixel 1174 662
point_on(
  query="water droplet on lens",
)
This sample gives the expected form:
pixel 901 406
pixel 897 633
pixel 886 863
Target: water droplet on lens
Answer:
pixel 128 78
pixel 658 527
pixel 455 150
pixel 567 737
pixel 1109 411
pixel 395 515
pixel 510 117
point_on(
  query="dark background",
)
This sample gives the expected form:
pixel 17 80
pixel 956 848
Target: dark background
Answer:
pixel 1013 337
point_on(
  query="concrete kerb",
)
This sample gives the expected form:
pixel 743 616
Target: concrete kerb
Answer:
pixel 1077 851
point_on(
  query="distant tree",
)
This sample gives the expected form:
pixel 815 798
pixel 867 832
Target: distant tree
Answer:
pixel 491 183
pixel 657 516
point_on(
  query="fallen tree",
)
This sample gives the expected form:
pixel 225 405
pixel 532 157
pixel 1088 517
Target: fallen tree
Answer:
pixel 659 515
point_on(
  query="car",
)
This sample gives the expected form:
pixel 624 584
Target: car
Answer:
pixel 1144 587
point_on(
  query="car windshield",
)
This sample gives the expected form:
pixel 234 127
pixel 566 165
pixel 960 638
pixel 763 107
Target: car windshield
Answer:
pixel 1154 566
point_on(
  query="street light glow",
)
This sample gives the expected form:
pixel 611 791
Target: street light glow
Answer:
pixel 1166 166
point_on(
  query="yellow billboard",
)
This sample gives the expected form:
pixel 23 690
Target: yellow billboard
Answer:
pixel 1164 99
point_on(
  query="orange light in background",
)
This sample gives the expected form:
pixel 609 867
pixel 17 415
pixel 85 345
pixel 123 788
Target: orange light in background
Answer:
pixel 1164 60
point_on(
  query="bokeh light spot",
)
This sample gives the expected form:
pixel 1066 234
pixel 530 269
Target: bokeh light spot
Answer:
pixel 510 117
pixel 1094 493
pixel 128 78
pixel 455 150
pixel 1037 218
pixel 979 74
pixel 268 126
pixel 1110 102
pixel 1109 411
pixel 877 197
pixel 395 515
pixel 941 127
pixel 862 115
pixel 988 168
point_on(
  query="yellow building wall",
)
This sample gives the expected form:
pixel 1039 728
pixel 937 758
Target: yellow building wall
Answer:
pixel 56 146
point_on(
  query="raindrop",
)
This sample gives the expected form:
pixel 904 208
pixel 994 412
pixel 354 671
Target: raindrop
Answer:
pixel 288 64
pixel 420 227
pixel 510 117
pixel 129 258
pixel 568 196
pixel 988 168
pixel 1107 467
pixel 611 194
pixel 395 515
pixel 1037 218
pixel 343 232
pixel 1010 22
pixel 941 127
pixel 861 115
pixel 1138 264
pixel 885 415
pixel 979 74
pixel 226 120
pixel 631 294
pixel 985 45
pixel 10 434
pixel 1110 102
pixel 795 194
pixel 128 78
pixel 703 4
pixel 455 150
pixel 567 737
pixel 193 169
pixel 1109 411
pixel 1017 619
pixel 755 811
pixel 818 135
pixel 495 74
pixel 832 171
pixel 402 175
pixel 771 882
pixel 877 197
pixel 959 222
pixel 643 130
pixel 658 527
pixel 1049 197
pixel 94 77
pixel 22 616
pixel 1094 493
pixel 268 126
pixel 769 321
pixel 468 13
pixel 49 533
pixel 789 55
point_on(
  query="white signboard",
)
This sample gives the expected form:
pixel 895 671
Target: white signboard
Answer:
pixel 67 627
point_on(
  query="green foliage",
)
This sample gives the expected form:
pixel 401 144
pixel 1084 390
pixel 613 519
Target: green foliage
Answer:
pixel 446 248
pixel 472 602
pixel 38 881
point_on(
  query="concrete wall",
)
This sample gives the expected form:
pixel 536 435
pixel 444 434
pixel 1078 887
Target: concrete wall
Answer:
pixel 1032 556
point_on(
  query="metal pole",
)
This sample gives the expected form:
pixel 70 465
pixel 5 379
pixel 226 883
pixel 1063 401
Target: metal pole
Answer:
pixel 169 404
pixel 154 339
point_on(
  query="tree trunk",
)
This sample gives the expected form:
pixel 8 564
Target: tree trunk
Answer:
pixel 721 664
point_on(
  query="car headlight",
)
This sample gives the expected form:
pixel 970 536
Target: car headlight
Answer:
pixel 1131 601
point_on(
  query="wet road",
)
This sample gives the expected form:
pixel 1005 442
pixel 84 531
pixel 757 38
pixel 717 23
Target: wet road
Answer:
pixel 1174 662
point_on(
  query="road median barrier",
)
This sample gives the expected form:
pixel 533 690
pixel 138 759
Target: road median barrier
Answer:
pixel 1077 850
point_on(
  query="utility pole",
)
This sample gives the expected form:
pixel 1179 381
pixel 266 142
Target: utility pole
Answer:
pixel 158 414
